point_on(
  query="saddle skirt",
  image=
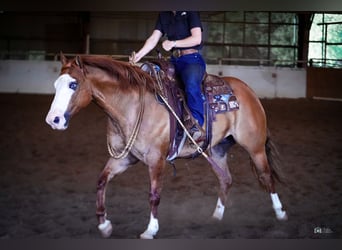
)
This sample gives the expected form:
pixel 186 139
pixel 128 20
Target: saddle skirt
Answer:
pixel 219 98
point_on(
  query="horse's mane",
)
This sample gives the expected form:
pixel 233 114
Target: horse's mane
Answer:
pixel 131 76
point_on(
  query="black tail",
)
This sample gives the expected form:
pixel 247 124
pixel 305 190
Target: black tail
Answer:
pixel 273 157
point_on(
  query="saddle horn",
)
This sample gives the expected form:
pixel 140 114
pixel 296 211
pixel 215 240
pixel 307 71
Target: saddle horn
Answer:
pixel 159 54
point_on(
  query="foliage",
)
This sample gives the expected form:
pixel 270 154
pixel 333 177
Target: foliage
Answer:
pixel 270 36
pixel 326 38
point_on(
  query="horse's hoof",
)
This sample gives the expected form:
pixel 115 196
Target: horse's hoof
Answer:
pixel 218 213
pixel 146 235
pixel 219 210
pixel 217 216
pixel 105 228
pixel 281 215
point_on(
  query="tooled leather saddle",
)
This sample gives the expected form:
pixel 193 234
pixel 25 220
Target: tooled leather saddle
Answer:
pixel 219 98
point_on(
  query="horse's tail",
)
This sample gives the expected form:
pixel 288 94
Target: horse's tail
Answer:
pixel 273 158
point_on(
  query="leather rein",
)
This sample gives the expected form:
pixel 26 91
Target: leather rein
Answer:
pixel 135 131
pixel 136 128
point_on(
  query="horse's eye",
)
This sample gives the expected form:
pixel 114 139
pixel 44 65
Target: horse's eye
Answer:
pixel 73 85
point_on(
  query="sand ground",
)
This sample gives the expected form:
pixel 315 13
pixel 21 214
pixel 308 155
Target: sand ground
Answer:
pixel 48 179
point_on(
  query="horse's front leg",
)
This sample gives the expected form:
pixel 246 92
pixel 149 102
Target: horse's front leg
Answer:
pixel 219 156
pixel 112 168
pixel 156 174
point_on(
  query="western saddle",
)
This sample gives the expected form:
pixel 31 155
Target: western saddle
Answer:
pixel 219 98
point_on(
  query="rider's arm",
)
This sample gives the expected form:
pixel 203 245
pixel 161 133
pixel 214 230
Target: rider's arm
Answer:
pixel 150 43
pixel 194 39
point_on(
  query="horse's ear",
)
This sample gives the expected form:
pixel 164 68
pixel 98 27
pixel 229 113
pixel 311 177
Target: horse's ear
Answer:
pixel 64 60
pixel 78 61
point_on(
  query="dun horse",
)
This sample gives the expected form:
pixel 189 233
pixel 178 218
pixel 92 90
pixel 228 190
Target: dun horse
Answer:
pixel 138 129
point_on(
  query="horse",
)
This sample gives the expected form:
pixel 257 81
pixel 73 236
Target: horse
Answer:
pixel 138 130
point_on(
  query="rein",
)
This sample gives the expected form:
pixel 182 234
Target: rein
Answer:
pixel 199 149
pixel 160 94
pixel 134 134
pixel 136 128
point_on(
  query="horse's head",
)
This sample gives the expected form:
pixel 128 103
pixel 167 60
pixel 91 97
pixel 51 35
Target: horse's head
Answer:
pixel 72 93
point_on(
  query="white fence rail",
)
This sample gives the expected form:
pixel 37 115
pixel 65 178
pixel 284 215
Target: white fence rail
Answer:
pixel 25 76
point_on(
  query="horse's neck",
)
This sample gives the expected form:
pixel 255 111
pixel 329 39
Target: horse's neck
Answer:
pixel 121 106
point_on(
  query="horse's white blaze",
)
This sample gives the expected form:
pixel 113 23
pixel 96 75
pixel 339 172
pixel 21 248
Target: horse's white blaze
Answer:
pixel 60 102
pixel 219 210
pixel 278 208
pixel 152 228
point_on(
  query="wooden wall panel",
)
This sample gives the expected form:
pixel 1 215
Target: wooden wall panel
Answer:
pixel 324 82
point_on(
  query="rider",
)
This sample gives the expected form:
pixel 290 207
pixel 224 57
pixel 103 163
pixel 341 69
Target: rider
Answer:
pixel 183 30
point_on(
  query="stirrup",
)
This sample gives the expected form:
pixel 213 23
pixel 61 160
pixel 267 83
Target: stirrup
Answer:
pixel 197 134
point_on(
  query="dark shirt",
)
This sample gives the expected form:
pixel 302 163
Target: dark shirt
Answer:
pixel 178 26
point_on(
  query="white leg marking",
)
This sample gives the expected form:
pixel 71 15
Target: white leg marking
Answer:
pixel 105 228
pixel 151 230
pixel 278 208
pixel 219 210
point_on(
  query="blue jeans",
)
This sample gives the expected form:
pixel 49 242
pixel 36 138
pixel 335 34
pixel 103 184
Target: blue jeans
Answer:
pixel 191 69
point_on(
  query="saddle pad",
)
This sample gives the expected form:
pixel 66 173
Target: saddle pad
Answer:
pixel 219 95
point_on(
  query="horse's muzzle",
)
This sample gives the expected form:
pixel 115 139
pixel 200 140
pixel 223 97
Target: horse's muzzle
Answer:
pixel 59 122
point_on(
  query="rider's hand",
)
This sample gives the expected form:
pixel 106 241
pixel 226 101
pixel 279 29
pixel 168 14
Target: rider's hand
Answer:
pixel 168 45
pixel 132 59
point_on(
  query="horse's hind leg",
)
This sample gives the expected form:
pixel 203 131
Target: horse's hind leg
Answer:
pixel 219 156
pixel 266 174
pixel 112 168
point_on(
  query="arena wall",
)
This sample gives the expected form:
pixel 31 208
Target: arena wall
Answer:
pixel 37 77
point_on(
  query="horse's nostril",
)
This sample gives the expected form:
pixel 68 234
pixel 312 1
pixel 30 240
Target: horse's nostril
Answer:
pixel 56 120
